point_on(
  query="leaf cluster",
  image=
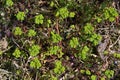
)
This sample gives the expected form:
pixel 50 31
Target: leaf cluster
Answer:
pixel 58 67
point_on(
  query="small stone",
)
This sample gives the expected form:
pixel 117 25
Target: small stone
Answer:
pixel 2 14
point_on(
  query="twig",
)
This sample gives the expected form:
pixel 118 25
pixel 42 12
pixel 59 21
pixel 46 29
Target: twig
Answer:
pixel 6 49
pixel 24 43
pixel 57 29
pixel 15 43
pixel 114 42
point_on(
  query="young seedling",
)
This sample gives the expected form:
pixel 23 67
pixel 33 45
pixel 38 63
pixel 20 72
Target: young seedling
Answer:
pixel 58 67
pixel 34 50
pixel 109 73
pixel 20 16
pixel 110 14
pixel 55 37
pixel 17 31
pixel 74 42
pixel 83 54
pixel 39 19
pixel 9 3
pixel 35 63
pixel 17 53
pixel 31 33
pixel 63 12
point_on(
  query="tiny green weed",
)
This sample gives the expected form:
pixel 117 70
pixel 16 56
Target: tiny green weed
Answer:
pixel 88 28
pixel 17 53
pixel 93 77
pixel 58 67
pixel 109 73
pixel 9 2
pixel 34 50
pixel 74 42
pixel 39 19
pixel 83 54
pixel 110 14
pixel 63 12
pixel 31 33
pixel 20 16
pixel 17 31
pixel 35 63
pixel 95 38
pixel 55 37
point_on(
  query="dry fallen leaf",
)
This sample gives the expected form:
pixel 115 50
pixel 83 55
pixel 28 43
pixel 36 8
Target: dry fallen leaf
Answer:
pixel 3 44
pixel 102 47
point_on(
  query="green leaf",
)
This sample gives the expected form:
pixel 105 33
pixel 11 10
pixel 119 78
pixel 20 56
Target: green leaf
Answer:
pixel 102 78
pixel 31 33
pixel 88 72
pixel 74 42
pixel 93 77
pixel 99 19
pixel 60 54
pixel 72 26
pixel 106 14
pixel 82 71
pixel 56 37
pixel 111 19
pixel 9 2
pixel 88 28
pixel 34 50
pixel 17 31
pixel 53 78
pixel 116 55
pixel 95 38
pixel 63 12
pixel 72 14
pixel 35 63
pixel 110 14
pixel 39 19
pixel 113 12
pixel 54 50
pixel 1 52
pixel 52 4
pixel 48 22
pixel 17 53
pixel 20 16
pixel 109 73
pixel 83 54
pixel 58 67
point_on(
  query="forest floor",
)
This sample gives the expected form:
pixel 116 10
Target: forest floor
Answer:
pixel 59 40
